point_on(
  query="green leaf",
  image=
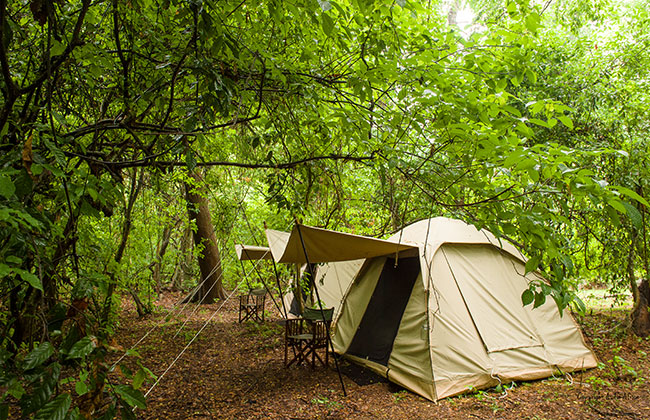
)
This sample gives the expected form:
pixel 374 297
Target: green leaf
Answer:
pixel 80 388
pixel 613 215
pixel 57 48
pixel 540 299
pixel 82 348
pixel 131 396
pixel 55 409
pixel 38 356
pixel 4 411
pixel 59 156
pixel 15 389
pixel 633 214
pixel 327 23
pixel 127 413
pixel 44 391
pixel 190 160
pixel 617 204
pixel 539 122
pixel 5 270
pixel 566 121
pixel 30 278
pixel 632 194
pixel 88 210
pixel 139 378
pixel 14 260
pixel 579 305
pixel 527 297
pixel 7 187
pixel 4 356
pixel 532 264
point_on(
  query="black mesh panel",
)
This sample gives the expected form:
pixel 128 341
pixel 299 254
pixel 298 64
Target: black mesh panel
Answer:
pixel 378 328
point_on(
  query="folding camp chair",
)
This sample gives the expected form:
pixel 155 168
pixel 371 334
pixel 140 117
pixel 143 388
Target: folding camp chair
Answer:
pixel 251 306
pixel 296 339
pixel 306 337
pixel 319 341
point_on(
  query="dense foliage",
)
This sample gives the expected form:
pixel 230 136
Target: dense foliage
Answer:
pixel 355 114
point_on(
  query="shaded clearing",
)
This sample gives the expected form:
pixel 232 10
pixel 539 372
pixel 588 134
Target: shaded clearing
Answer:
pixel 235 371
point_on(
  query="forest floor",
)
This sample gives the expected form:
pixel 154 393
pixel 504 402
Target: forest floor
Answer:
pixel 236 371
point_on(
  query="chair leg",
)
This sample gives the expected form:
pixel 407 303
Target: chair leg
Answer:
pixel 327 352
pixel 286 350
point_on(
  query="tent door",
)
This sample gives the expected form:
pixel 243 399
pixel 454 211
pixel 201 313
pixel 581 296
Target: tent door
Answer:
pixel 378 327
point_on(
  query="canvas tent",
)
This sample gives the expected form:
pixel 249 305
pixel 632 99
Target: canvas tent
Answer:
pixel 437 308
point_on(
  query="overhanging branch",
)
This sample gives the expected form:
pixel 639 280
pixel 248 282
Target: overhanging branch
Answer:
pixel 147 161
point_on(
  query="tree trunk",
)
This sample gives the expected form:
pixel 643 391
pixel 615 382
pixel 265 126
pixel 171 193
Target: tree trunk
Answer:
pixel 183 261
pixel 640 316
pixel 136 185
pixel 160 253
pixel 204 238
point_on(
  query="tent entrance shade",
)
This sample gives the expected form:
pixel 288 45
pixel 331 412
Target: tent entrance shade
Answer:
pixel 253 253
pixel 378 328
pixel 323 245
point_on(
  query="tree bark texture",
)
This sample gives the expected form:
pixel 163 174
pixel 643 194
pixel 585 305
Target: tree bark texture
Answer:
pixel 183 261
pixel 640 316
pixel 209 259
pixel 160 254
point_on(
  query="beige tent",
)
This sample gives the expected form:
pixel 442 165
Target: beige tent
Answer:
pixel 441 313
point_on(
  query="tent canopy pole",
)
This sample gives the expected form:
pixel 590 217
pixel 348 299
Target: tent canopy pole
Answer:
pixel 320 305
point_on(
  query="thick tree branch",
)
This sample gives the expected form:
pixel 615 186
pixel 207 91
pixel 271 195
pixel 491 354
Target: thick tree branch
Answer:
pixel 149 161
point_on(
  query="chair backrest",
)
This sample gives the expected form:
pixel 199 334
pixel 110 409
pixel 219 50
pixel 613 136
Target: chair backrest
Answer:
pixel 259 300
pixel 318 315
pixel 319 329
pixel 293 327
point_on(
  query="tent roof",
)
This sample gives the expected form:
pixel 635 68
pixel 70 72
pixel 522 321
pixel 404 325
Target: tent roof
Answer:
pixel 441 230
pixel 324 245
pixel 252 252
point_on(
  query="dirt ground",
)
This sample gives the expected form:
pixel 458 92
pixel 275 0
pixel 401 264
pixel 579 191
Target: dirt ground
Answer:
pixel 236 371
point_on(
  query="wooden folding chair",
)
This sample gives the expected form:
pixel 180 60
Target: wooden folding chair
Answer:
pixel 251 306
pixel 296 339
pixel 319 341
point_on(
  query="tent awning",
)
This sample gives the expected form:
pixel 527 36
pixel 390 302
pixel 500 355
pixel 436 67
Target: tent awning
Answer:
pixel 252 252
pixel 324 245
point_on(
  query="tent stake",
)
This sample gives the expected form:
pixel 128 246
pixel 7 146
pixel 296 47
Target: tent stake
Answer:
pixel 320 306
